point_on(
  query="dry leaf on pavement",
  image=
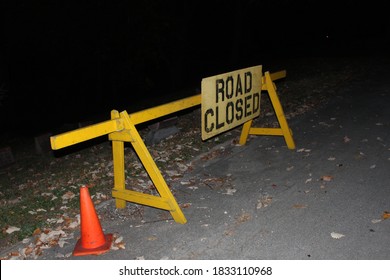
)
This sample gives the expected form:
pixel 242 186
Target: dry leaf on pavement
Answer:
pixel 327 178
pixel 346 139
pixel 336 235
pixel 299 206
pixel 264 201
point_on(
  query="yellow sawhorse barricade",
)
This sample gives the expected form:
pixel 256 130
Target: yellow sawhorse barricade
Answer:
pixel 122 128
pixel 269 86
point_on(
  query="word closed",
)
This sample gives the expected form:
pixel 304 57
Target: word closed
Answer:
pixel 229 100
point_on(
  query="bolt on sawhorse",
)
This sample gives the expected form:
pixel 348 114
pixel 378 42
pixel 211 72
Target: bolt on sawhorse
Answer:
pixel 122 128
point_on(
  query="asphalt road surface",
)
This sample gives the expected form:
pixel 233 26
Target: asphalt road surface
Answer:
pixel 325 200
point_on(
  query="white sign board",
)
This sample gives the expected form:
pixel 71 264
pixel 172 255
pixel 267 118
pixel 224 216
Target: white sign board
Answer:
pixel 229 100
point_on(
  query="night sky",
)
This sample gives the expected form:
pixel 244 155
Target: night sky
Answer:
pixel 71 61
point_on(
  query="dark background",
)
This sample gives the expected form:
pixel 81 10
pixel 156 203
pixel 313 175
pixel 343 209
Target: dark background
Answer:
pixel 71 61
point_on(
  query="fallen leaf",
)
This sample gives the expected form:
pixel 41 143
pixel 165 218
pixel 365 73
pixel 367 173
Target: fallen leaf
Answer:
pixel 299 206
pixel 28 251
pixel 182 167
pixel 290 168
pixel 73 225
pixel 244 217
pixel 173 173
pixel 386 215
pixel 61 243
pixel 51 221
pixel 46 194
pixel 336 235
pixel 118 239
pixel 327 178
pixel 12 229
pixel 26 240
pixel 68 195
pixel 15 254
pixel 185 183
pixel 304 150
pixel 346 139
pixel 114 247
pixel 121 245
pixel 325 124
pixel 264 201
pixel 230 191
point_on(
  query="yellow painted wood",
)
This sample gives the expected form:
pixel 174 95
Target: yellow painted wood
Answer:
pixel 274 76
pixel 86 133
pixel 123 135
pixel 245 132
pixel 247 127
pixel 118 165
pixel 284 130
pixel 142 198
pixel 279 111
pixel 152 170
pixel 266 131
pixel 165 109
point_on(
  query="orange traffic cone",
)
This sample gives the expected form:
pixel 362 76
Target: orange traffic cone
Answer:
pixel 92 241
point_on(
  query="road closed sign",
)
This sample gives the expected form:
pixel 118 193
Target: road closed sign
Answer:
pixel 229 100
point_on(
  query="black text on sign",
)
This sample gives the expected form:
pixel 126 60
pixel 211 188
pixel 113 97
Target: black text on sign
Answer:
pixel 229 100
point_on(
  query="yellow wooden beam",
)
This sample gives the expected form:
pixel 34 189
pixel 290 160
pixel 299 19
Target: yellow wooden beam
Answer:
pixel 142 198
pixel 266 131
pixel 118 158
pixel 274 76
pixel 245 132
pixel 165 109
pixel 86 133
pixel 277 75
